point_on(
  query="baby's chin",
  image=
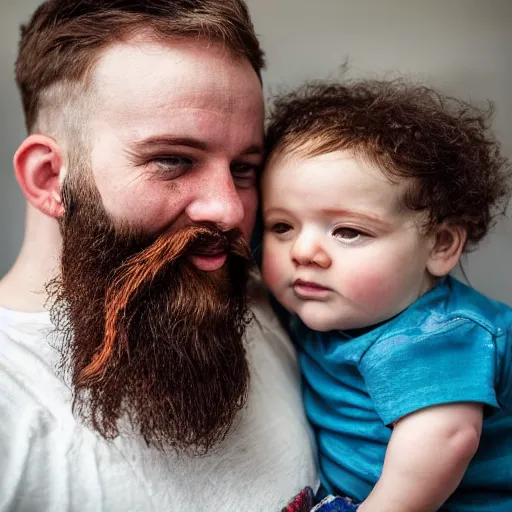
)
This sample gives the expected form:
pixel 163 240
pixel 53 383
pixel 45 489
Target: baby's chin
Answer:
pixel 327 323
pixel 320 323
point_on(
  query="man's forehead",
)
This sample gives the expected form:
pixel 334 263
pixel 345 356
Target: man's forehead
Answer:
pixel 187 72
pixel 148 89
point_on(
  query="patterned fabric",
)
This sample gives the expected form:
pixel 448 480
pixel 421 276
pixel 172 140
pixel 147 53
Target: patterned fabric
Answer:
pixel 335 504
pixel 304 502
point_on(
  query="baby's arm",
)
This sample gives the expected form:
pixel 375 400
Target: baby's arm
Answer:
pixel 426 458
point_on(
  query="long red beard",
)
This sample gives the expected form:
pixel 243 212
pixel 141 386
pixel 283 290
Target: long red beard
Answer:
pixel 146 337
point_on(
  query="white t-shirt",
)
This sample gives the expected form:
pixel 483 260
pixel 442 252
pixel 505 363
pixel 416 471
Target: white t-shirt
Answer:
pixel 51 462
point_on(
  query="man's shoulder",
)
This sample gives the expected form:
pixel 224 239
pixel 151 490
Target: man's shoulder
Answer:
pixel 30 386
pixel 24 341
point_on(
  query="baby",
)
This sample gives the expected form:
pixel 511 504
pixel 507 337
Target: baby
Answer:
pixel 372 192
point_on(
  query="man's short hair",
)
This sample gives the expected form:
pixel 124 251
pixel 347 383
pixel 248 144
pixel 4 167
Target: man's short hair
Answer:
pixel 442 145
pixel 64 38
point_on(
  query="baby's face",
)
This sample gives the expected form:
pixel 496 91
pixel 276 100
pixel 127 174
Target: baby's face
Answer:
pixel 337 248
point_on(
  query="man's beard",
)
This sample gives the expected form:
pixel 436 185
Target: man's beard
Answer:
pixel 146 336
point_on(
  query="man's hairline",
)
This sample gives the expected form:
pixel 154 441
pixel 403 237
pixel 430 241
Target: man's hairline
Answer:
pixel 85 89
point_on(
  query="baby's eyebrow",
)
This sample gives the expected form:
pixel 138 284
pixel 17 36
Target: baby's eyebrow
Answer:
pixel 367 216
pixel 274 209
pixel 350 213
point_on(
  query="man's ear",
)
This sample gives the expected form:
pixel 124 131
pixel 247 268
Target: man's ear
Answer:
pixel 38 166
pixel 448 243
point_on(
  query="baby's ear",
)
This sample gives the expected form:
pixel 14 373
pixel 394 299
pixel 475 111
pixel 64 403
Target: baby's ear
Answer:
pixel 448 243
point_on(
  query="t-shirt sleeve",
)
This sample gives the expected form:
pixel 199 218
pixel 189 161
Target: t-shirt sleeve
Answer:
pixel 504 387
pixel 456 363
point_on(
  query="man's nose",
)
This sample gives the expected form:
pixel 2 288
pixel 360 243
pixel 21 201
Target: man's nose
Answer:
pixel 308 250
pixel 217 201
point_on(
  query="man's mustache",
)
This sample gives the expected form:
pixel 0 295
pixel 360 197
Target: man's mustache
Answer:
pixel 141 269
pixel 208 239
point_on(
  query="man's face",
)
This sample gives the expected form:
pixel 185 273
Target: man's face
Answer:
pixel 177 137
pixel 151 301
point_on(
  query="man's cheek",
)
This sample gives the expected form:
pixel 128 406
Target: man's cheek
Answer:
pixel 146 210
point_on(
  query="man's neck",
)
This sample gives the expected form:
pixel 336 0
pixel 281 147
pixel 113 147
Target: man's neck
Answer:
pixel 23 287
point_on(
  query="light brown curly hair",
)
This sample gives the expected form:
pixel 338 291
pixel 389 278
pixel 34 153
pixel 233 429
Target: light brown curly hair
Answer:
pixel 441 144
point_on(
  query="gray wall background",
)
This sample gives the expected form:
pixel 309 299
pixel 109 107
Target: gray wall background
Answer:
pixel 463 47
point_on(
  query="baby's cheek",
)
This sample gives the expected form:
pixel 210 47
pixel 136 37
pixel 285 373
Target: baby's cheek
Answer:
pixel 373 291
pixel 271 270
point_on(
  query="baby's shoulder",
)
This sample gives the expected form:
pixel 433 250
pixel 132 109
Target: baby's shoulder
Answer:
pixel 470 304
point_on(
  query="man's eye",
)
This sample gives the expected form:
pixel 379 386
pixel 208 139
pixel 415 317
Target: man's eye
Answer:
pixel 173 166
pixel 347 235
pixel 280 228
pixel 244 174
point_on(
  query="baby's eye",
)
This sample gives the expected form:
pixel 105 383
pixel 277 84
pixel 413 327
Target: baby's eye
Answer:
pixel 280 228
pixel 347 235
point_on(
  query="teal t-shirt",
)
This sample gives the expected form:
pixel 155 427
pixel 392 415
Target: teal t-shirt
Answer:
pixel 451 345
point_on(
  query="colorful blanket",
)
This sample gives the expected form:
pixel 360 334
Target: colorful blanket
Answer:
pixel 305 502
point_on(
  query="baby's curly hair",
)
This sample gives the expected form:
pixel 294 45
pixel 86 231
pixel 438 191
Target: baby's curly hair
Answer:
pixel 443 145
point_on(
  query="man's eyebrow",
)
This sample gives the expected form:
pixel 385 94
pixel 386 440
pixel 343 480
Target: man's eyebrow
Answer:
pixel 169 140
pixel 255 149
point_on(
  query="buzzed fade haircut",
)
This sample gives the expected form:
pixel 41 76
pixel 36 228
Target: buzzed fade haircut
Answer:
pixel 64 38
